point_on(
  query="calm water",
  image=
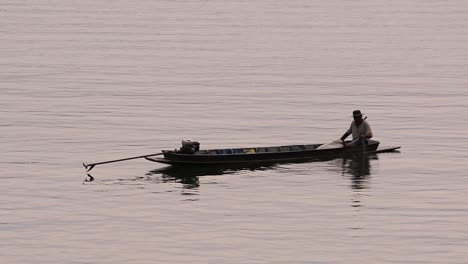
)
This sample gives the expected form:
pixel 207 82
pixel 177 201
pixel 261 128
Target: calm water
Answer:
pixel 87 81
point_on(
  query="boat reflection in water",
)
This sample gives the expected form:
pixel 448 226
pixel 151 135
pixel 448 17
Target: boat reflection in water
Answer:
pixel 357 167
pixel 188 176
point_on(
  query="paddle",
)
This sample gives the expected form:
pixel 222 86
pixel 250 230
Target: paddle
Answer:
pixel 90 166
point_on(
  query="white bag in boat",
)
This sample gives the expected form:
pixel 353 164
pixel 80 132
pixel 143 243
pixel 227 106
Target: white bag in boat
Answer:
pixel 331 145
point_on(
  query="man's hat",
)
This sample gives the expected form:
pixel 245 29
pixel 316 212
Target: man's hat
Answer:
pixel 357 113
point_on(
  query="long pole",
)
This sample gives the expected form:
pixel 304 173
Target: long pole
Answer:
pixel 90 166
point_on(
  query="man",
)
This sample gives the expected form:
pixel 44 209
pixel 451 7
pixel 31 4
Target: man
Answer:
pixel 360 130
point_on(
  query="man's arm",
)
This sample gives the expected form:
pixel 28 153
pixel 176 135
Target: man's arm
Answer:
pixel 347 133
pixel 368 134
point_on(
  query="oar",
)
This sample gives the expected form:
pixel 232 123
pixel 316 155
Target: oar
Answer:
pixel 90 166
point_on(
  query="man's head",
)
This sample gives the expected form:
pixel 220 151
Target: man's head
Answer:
pixel 357 115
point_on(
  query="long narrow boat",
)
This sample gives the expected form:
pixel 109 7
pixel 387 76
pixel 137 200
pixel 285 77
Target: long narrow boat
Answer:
pixel 259 155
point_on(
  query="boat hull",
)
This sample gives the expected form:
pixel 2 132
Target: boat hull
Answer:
pixel 301 154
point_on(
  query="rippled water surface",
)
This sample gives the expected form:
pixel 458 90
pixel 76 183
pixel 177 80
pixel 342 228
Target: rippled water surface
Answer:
pixel 89 81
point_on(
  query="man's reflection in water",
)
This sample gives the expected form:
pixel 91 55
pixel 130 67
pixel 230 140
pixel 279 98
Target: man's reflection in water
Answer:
pixel 359 170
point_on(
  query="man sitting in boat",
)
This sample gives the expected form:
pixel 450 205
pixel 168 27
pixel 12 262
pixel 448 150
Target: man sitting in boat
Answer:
pixel 360 130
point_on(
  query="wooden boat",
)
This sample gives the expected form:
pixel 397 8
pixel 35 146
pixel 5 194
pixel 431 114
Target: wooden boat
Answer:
pixel 260 155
